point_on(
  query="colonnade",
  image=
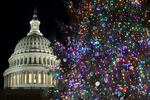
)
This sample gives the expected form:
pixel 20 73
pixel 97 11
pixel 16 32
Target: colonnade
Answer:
pixel 29 78
pixel 33 60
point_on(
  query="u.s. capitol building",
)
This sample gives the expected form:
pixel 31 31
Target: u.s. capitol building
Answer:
pixel 31 60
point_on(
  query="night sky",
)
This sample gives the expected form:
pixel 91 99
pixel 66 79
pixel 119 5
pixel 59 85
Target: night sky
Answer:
pixel 14 21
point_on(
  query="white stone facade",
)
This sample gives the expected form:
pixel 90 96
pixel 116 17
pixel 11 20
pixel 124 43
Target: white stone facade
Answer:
pixel 31 61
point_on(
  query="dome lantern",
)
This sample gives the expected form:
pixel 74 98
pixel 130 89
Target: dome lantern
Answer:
pixel 35 25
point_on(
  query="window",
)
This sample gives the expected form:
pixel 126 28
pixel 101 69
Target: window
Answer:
pixel 30 60
pixel 39 60
pixel 21 61
pixel 44 60
pixel 25 61
pixel 35 60
pixel 17 61
pixel 48 61
pixel 51 62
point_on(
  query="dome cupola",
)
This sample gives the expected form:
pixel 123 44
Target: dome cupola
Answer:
pixel 35 24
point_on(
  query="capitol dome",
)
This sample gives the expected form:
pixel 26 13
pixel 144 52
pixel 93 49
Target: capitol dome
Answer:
pixel 31 61
pixel 33 43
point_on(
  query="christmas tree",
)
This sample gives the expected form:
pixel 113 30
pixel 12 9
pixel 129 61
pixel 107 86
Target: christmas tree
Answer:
pixel 106 55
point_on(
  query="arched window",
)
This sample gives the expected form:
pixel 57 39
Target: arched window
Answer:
pixel 17 61
pixel 12 63
pixel 44 61
pixel 25 60
pixel 30 60
pixel 21 61
pixel 35 60
pixel 48 61
pixel 51 62
pixel 40 60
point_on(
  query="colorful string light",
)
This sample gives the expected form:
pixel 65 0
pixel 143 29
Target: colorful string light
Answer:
pixel 107 51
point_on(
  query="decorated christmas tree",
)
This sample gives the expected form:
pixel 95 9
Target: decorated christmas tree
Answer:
pixel 106 55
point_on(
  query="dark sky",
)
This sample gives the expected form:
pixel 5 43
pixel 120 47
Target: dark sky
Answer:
pixel 14 23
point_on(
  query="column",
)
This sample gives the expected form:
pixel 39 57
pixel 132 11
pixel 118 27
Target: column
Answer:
pixel 41 60
pixel 27 60
pixel 54 82
pixel 19 79
pixel 23 77
pixel 17 74
pixel 4 81
pixel 27 77
pixel 8 79
pixel 51 79
pixel 41 77
pixel 32 77
pixel 46 79
pixel 37 76
pixel 14 78
pixel 32 60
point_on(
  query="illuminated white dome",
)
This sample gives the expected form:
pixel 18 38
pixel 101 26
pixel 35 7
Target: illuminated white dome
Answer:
pixel 33 43
pixel 31 61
